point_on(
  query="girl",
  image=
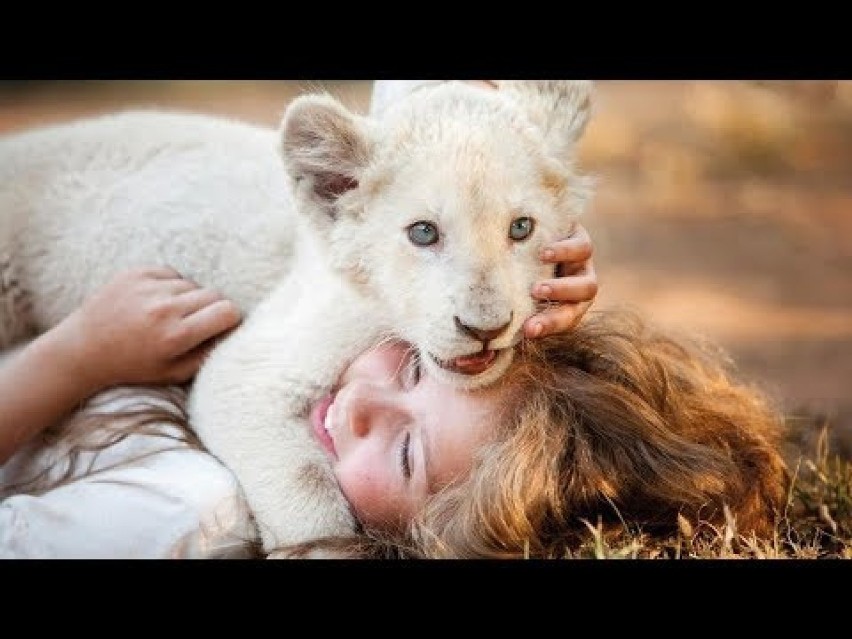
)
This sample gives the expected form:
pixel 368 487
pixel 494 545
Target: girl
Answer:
pixel 611 421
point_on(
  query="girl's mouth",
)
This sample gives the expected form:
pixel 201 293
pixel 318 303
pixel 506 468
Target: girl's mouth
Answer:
pixel 319 421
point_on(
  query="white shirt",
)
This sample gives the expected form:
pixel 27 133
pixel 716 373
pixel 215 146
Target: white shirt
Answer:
pixel 146 496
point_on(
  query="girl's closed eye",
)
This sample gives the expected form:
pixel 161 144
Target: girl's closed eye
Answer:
pixel 404 453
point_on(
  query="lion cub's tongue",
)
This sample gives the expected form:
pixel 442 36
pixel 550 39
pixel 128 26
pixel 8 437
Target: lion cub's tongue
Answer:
pixel 474 364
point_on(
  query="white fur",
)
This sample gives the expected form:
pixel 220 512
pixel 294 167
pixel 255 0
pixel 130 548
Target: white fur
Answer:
pixel 323 238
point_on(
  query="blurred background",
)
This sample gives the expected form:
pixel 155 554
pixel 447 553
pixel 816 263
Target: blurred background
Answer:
pixel 722 208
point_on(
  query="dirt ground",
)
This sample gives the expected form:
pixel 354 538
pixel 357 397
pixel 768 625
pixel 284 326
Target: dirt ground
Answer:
pixel 722 208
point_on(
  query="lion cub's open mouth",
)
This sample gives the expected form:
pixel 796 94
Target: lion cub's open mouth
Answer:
pixel 468 364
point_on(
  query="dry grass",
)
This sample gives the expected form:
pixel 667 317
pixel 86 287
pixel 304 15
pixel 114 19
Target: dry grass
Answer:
pixel 816 524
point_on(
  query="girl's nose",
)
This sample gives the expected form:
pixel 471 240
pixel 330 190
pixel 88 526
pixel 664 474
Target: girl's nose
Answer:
pixel 371 407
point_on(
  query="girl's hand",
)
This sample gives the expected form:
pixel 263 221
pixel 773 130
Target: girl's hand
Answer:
pixel 572 293
pixel 147 326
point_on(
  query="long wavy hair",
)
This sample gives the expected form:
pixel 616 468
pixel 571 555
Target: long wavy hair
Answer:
pixel 69 449
pixel 618 423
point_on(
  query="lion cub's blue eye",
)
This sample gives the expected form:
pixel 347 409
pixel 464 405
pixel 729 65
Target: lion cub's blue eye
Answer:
pixel 521 228
pixel 423 233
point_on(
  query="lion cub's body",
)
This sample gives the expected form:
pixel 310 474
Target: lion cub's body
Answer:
pixel 316 247
pixel 81 201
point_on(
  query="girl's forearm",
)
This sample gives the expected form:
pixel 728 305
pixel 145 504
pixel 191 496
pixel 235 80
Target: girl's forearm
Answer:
pixel 39 386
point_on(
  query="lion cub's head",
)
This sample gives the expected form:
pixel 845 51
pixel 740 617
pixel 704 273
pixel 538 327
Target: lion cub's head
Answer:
pixel 441 206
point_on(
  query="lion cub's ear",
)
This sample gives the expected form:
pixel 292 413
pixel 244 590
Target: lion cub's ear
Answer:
pixel 560 108
pixel 325 148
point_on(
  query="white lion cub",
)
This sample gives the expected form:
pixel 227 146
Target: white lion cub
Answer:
pixel 424 224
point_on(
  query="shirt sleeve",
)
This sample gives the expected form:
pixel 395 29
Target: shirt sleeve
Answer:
pixel 173 503
pixel 145 495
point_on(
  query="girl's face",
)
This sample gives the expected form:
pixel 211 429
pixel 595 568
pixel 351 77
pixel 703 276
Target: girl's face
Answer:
pixel 395 436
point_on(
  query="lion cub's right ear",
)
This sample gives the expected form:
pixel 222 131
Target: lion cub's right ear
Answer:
pixel 325 149
pixel 560 108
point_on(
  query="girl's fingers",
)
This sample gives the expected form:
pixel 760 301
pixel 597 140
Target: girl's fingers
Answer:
pixel 160 273
pixel 571 296
pixel 175 286
pixel 576 288
pixel 195 299
pixel 208 322
pixel 556 319
pixel 165 278
pixel 572 250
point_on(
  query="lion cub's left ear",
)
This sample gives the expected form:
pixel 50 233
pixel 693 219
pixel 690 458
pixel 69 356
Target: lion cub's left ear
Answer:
pixel 325 148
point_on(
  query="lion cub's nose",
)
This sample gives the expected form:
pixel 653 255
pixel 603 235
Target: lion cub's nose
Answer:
pixel 484 335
